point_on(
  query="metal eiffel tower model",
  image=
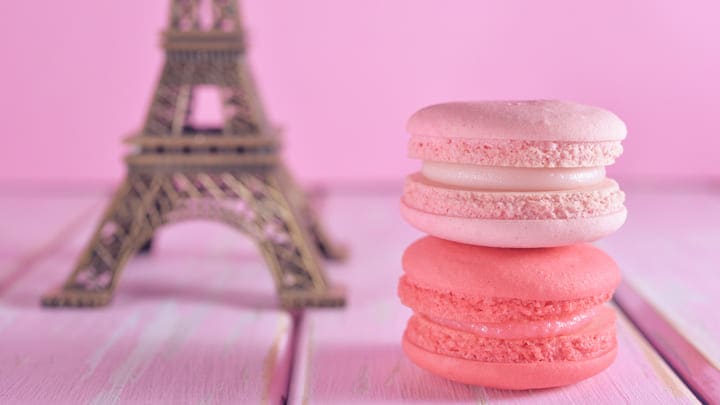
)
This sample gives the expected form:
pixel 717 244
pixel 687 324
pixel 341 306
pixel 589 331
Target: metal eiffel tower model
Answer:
pixel 232 174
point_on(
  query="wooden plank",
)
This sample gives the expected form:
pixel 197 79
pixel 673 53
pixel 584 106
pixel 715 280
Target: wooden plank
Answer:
pixel 158 333
pixel 668 252
pixel 187 326
pixel 354 355
pixel 30 223
pixel 696 371
pixel 36 225
pixel 355 358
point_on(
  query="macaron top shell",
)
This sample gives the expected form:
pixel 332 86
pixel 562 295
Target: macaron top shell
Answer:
pixel 545 274
pixel 533 120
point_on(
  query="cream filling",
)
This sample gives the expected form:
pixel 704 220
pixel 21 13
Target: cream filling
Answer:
pixel 512 178
pixel 522 330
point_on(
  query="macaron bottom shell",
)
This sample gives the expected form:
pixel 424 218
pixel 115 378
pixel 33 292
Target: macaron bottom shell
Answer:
pixel 525 233
pixel 514 376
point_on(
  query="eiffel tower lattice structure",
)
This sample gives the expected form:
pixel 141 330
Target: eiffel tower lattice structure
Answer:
pixel 233 174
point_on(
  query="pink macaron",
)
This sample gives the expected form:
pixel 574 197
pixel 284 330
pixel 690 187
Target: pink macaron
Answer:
pixel 509 318
pixel 514 173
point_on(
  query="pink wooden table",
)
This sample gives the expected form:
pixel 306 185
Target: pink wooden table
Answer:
pixel 197 320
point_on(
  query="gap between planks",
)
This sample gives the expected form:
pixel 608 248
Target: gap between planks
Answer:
pixel 687 362
pixel 295 327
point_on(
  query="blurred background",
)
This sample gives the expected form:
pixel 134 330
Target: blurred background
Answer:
pixel 342 77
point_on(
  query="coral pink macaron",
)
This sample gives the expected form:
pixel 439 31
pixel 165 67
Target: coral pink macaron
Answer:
pixel 514 173
pixel 509 318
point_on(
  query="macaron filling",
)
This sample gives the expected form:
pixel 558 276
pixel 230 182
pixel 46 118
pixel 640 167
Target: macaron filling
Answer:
pixel 522 330
pixel 512 178
pixel 432 197
pixel 514 153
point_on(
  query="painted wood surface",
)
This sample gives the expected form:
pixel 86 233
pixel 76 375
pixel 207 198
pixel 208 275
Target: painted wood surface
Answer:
pixel 669 252
pixel 194 322
pixel 32 226
pixel 33 223
pixel 686 360
pixel 354 356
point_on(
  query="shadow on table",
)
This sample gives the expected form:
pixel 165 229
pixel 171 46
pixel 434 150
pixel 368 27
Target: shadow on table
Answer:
pixel 132 291
pixel 239 297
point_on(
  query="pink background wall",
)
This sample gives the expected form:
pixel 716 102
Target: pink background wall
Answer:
pixel 342 77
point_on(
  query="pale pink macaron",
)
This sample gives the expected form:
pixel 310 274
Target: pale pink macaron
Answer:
pixel 514 173
pixel 509 318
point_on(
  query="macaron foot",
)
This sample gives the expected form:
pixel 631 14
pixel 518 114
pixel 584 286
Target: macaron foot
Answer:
pixel 531 233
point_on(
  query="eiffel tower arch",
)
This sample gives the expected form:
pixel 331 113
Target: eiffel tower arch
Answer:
pixel 233 173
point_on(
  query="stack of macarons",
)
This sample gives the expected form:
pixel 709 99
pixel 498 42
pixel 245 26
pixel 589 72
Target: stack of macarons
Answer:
pixel 506 292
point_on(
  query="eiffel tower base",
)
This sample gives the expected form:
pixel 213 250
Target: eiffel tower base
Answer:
pixel 78 298
pixel 261 202
pixel 328 249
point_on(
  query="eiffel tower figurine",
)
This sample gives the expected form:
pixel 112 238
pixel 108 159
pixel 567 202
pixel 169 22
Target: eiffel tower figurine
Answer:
pixel 232 174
